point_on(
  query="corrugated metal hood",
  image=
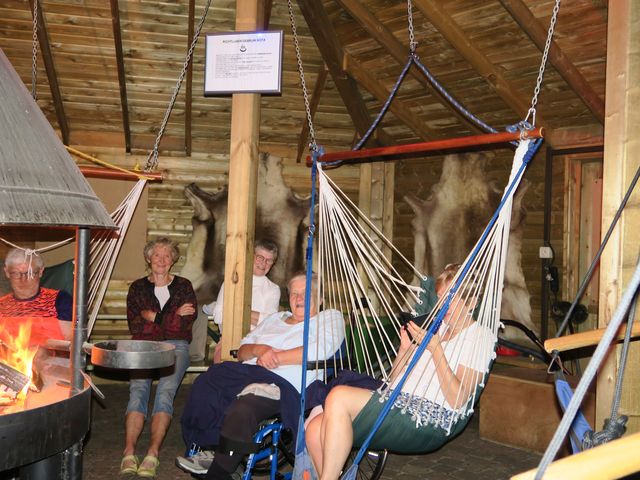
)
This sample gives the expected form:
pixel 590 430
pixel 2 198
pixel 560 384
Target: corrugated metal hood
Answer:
pixel 40 183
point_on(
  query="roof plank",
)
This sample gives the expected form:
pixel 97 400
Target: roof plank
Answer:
pixel 332 53
pixel 565 67
pixel 47 58
pixel 492 75
pixel 122 81
pixel 395 48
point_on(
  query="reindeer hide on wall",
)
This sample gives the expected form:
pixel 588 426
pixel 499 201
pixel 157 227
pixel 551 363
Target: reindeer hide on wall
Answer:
pixel 281 216
pixel 448 223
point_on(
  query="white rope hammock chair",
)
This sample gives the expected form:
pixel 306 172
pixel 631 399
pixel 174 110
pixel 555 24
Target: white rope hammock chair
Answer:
pixel 351 265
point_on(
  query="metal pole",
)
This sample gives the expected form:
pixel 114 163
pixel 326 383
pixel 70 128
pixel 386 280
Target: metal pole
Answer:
pixel 80 285
pixel 72 462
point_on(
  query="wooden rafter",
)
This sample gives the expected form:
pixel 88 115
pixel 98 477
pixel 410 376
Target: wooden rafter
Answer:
pixel 399 108
pixel 267 13
pixel 122 81
pixel 476 58
pixel 188 97
pixel 530 25
pixel 321 80
pixel 47 58
pixel 397 50
pixel 332 53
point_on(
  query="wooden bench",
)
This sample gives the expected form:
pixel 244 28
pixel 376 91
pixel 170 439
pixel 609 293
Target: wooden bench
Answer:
pixel 519 408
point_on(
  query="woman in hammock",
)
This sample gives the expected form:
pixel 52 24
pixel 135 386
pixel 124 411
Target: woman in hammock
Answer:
pixel 442 377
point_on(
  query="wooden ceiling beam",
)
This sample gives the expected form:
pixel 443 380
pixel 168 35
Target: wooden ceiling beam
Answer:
pixel 397 50
pixel 477 59
pixel 267 13
pixel 47 58
pixel 122 80
pixel 321 81
pixel 399 108
pixel 188 98
pixel 332 53
pixel 530 25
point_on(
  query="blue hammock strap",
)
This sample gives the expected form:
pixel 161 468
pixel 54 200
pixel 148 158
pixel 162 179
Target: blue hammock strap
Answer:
pixel 303 467
pixel 450 98
pixel 580 426
pixel 386 105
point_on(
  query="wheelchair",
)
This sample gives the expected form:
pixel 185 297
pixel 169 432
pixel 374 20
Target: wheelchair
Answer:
pixel 274 456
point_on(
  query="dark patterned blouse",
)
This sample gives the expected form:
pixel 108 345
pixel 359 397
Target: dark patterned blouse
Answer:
pixel 168 325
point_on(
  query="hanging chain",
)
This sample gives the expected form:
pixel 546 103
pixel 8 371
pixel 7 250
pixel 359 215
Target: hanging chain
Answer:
pixel 545 54
pixel 312 134
pixel 152 159
pixel 412 39
pixel 34 53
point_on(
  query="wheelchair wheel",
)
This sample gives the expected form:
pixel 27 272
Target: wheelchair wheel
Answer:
pixel 286 447
pixel 371 466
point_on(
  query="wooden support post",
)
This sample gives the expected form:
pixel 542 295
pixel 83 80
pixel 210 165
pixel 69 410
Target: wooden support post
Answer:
pixel 375 201
pixel 243 172
pixel 621 160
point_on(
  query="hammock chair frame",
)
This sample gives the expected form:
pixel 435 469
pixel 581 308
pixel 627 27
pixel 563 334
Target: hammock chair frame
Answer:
pixel 435 146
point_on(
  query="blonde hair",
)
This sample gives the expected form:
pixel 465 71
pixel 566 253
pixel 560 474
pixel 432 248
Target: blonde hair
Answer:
pixel 449 272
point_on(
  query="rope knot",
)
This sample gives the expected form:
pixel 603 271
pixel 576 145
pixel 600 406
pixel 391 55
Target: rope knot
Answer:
pixel 613 428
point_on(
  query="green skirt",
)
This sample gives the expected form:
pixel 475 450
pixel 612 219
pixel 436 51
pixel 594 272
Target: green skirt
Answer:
pixel 398 432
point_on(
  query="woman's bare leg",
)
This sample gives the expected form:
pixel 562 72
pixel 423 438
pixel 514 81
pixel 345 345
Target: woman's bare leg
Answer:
pixel 133 425
pixel 314 444
pixel 342 406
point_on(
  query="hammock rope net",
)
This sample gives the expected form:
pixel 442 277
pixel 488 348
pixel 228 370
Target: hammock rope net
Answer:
pixel 356 277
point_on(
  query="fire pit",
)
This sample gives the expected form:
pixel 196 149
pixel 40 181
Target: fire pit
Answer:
pixel 47 422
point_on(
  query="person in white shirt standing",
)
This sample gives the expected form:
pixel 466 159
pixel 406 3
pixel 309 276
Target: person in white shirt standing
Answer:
pixel 265 295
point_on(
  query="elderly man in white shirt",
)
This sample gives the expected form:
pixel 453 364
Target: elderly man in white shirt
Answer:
pixel 265 295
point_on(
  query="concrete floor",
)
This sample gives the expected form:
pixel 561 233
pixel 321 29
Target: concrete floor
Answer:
pixel 466 457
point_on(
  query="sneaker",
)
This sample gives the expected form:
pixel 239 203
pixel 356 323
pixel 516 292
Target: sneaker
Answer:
pixel 197 464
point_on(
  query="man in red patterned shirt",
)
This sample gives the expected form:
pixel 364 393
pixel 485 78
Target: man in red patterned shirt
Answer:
pixel 50 310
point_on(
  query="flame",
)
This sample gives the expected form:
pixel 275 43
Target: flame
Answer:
pixel 17 352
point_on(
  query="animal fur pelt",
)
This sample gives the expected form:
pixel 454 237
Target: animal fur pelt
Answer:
pixel 281 216
pixel 448 223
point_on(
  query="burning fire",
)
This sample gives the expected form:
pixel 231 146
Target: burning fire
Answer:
pixel 16 353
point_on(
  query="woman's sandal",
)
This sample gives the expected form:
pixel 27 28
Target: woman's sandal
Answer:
pixel 148 467
pixel 129 465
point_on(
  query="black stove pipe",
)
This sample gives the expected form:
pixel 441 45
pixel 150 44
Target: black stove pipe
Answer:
pixel 73 456
pixel 81 282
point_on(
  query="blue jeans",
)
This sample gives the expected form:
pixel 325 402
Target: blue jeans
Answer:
pixel 168 383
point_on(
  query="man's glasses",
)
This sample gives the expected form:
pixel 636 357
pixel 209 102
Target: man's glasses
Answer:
pixel 268 261
pixel 22 275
